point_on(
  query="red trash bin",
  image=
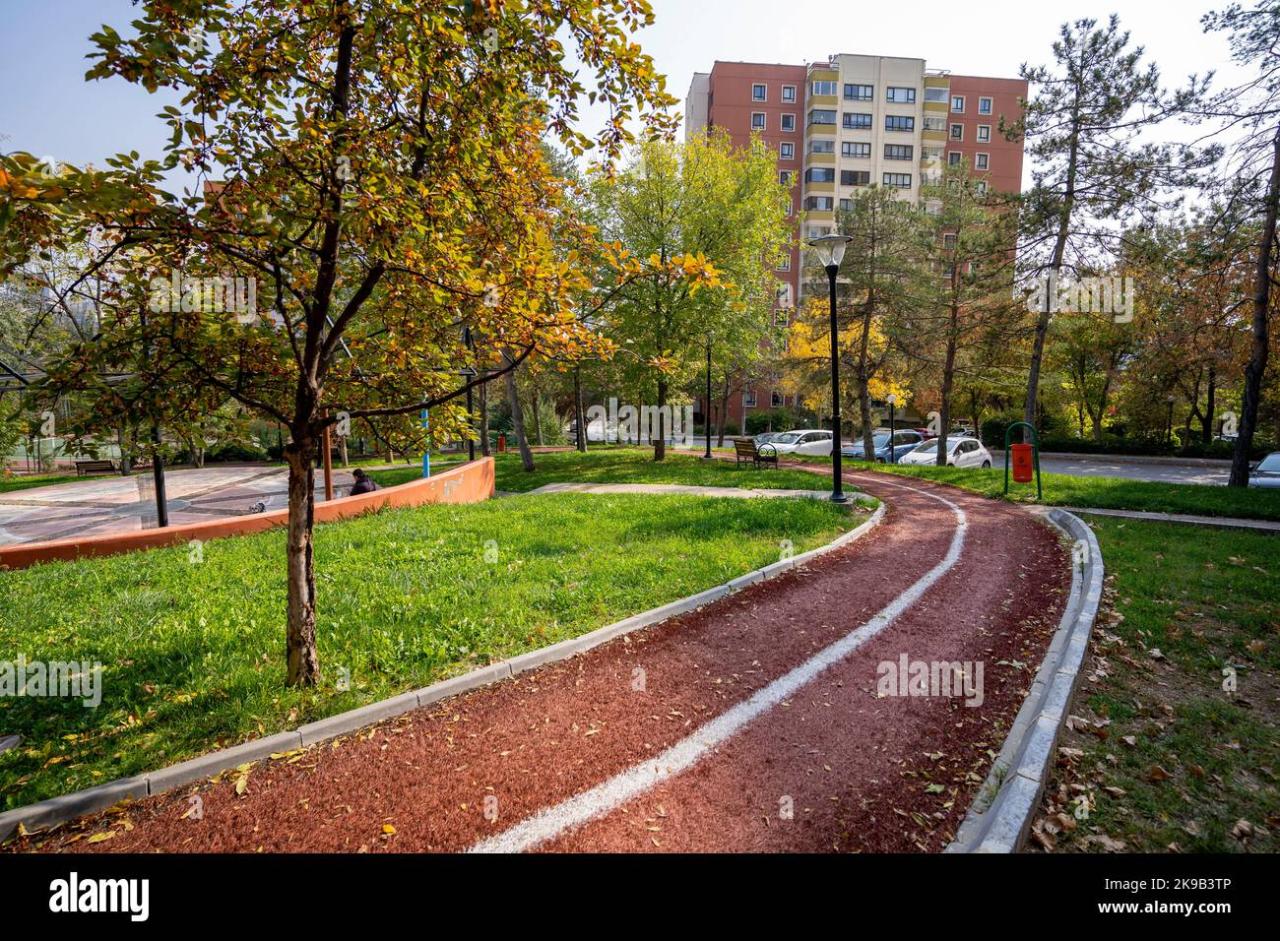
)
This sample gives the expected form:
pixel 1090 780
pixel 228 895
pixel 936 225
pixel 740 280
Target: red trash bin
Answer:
pixel 502 443
pixel 1023 463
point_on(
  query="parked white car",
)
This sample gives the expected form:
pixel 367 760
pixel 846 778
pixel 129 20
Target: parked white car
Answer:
pixel 961 452
pixel 810 441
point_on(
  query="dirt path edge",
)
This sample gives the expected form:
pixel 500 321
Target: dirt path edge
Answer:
pixel 1000 817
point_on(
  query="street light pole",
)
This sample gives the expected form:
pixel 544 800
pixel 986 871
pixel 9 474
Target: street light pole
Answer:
pixel 706 412
pixel 831 253
pixel 1168 440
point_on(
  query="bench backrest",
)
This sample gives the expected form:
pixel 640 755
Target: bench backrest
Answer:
pixel 745 447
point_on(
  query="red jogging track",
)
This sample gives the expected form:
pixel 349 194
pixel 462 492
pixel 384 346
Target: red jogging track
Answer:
pixel 750 725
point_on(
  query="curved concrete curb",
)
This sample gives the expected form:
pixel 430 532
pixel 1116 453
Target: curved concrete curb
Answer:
pixel 1000 817
pixel 69 806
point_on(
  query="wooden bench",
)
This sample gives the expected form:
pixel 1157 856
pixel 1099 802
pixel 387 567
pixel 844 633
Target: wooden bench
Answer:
pixel 95 467
pixel 744 449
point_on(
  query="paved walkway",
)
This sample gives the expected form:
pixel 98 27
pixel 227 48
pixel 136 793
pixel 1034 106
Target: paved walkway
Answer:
pixel 126 504
pixel 1226 522
pixel 761 722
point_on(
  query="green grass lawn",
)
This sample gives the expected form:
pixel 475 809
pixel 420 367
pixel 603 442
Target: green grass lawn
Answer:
pixel 192 652
pixel 1109 493
pixel 10 484
pixel 637 466
pixel 1166 755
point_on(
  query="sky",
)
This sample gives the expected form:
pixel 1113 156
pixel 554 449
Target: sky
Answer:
pixel 47 108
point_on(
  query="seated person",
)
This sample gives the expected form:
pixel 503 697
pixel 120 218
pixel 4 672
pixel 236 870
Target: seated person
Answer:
pixel 364 483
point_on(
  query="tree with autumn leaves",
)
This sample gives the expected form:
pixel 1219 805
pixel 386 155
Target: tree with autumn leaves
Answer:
pixel 677 211
pixel 376 166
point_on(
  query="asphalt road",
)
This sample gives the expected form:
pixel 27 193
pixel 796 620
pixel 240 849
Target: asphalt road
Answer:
pixel 1183 472
pixel 1180 472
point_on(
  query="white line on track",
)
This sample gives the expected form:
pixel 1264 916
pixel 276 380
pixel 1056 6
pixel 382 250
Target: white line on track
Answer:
pixel 550 822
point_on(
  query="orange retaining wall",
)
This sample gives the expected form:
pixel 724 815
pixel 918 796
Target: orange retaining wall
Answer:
pixel 470 483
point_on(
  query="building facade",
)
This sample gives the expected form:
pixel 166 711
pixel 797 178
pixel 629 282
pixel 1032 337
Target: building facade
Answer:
pixel 848 122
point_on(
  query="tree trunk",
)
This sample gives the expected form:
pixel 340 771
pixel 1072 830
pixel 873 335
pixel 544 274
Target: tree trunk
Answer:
pixel 1206 420
pixel 517 417
pixel 484 419
pixel 724 413
pixel 1055 265
pixel 948 379
pixel 1261 300
pixel 300 643
pixel 579 414
pixel 864 413
pixel 535 401
pixel 660 440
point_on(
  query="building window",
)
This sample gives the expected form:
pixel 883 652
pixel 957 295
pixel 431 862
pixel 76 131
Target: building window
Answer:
pixel 984 133
pixel 957 132
pixel 786 263
pixel 935 94
pixel 749 398
pixel 789 123
pixel 899 122
pixel 935 122
pixel 855 177
pixel 758 93
pixel 983 161
pixel 820 175
pixel 900 96
pixel 775 399
pixel 757 120
pixel 954 158
pixel 822 116
pixel 980 187
pixel 957 104
pixel 855 149
pixel 856 121
pixel 899 152
pixel 788 93
pixel 819 203
pixel 846 205
pixel 823 88
pixel 899 180
pixel 858 92
pixel 984 106
pixel 782 298
pixel 931 154
pixel 787 150
pixel 785 177
pixel 949 241
pixel 822 145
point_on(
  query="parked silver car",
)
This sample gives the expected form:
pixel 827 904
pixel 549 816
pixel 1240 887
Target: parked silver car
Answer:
pixel 1266 473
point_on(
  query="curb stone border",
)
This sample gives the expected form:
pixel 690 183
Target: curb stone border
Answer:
pixel 1000 817
pixel 66 807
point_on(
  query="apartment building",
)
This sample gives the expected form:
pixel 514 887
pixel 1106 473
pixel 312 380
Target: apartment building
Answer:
pixel 848 122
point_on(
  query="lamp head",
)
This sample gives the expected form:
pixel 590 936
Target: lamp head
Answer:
pixel 830 248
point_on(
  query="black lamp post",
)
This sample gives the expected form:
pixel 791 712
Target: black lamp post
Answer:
pixel 706 415
pixel 830 250
pixel 1169 437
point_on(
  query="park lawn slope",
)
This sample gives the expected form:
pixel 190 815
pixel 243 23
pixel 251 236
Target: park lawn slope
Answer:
pixel 1171 753
pixel 192 646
